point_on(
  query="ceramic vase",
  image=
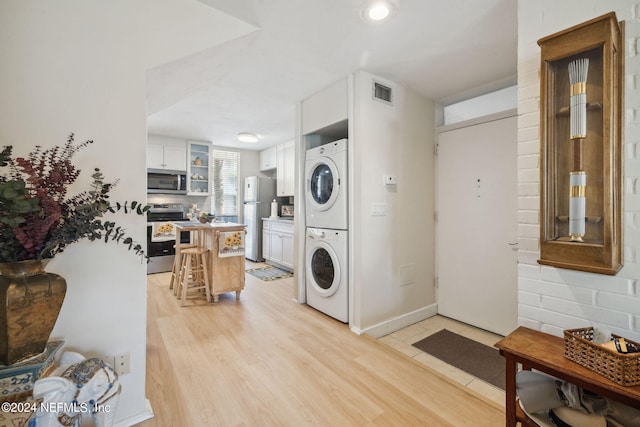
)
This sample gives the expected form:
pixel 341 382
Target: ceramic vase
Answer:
pixel 31 300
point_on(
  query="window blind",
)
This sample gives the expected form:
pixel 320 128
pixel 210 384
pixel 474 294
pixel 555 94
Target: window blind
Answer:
pixel 224 182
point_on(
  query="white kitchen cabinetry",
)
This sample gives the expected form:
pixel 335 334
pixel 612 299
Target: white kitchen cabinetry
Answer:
pixel 285 159
pixel 329 106
pixel 277 242
pixel 167 155
pixel 198 173
pixel 268 159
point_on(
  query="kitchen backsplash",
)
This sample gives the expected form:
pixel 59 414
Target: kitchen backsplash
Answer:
pixel 203 203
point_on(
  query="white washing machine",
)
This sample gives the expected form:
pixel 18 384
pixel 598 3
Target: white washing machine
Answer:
pixel 326 278
pixel 326 195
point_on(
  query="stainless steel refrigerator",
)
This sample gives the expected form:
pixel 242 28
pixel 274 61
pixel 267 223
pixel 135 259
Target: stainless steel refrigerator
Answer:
pixel 258 195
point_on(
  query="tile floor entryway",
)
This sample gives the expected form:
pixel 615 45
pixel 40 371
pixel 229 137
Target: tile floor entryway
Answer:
pixel 403 339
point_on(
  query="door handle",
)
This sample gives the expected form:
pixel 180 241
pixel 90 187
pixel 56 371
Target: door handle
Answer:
pixel 513 244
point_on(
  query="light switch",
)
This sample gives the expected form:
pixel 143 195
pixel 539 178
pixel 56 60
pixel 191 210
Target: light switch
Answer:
pixel 390 180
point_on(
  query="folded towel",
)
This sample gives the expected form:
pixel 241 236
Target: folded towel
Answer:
pixel 162 231
pixel 231 243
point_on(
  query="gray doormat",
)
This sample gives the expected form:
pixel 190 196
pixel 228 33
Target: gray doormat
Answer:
pixel 477 359
pixel 269 273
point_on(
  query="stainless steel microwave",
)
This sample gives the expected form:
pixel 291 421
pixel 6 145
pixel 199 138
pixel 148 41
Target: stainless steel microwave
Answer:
pixel 162 181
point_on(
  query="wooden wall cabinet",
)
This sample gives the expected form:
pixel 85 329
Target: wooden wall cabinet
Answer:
pixel 595 154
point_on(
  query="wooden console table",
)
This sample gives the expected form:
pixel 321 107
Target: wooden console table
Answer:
pixel 544 352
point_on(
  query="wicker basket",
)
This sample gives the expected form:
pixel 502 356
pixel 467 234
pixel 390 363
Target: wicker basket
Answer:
pixel 623 369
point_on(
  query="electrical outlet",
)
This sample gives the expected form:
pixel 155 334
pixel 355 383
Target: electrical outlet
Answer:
pixel 122 363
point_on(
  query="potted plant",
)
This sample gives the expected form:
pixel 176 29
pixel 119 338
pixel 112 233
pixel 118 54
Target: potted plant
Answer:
pixel 38 220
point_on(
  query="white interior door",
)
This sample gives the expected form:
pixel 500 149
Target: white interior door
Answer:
pixel 477 225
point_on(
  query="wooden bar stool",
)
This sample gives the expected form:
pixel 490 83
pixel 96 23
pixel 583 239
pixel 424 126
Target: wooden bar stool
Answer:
pixel 193 274
pixel 177 263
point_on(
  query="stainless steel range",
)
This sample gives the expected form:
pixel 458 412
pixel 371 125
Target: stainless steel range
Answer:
pixel 161 236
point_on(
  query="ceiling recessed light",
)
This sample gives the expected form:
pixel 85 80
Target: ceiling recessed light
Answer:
pixel 248 137
pixel 377 10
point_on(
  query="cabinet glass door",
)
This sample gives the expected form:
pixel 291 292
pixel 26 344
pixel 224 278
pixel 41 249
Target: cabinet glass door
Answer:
pixel 199 169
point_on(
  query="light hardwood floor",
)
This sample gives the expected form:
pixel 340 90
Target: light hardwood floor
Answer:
pixel 266 360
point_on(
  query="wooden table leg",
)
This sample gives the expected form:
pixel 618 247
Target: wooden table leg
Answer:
pixel 510 390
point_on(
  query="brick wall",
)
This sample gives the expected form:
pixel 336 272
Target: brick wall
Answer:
pixel 552 299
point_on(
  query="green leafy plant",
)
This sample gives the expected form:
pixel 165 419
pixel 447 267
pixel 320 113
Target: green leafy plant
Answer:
pixel 38 220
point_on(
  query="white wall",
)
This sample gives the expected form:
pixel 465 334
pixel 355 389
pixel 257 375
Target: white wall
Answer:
pixel 553 299
pixel 398 247
pixel 79 66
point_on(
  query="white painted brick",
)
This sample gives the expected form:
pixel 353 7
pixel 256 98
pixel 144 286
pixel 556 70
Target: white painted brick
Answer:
pixel 531 133
pixel 630 270
pixel 631 152
pixel 553 330
pixel 616 296
pixel 559 319
pixel 528 323
pixel 585 280
pixel 530 161
pixel 633 46
pixel 529 189
pixel 529 217
pixel 530 245
pixel 529 119
pixel 563 292
pixel 528 203
pixel 529 271
pixel 528 230
pixel 631 221
pixel 528 175
pixel 586 312
pixel 529 105
pixel 623 303
pixel 527 298
pixel 529 147
pixel 528 76
pixel 528 257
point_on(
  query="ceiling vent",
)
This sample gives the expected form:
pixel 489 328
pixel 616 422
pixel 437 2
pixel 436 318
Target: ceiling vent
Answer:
pixel 382 93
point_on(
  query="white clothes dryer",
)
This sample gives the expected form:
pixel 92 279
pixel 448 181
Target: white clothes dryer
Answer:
pixel 326 272
pixel 326 195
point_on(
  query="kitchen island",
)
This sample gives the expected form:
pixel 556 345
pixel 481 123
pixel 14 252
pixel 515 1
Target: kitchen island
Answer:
pixel 225 261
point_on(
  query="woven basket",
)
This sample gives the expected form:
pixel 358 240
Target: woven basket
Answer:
pixel 623 369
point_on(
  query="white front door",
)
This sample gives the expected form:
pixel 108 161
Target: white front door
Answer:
pixel 477 225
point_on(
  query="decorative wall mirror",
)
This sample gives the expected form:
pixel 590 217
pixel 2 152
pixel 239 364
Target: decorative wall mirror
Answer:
pixel 581 107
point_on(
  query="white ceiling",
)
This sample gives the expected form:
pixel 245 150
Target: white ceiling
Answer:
pixel 446 50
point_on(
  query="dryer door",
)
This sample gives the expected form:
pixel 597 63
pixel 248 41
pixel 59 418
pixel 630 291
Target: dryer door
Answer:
pixel 323 267
pixel 323 183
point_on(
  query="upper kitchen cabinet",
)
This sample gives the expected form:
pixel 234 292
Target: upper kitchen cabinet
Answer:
pixel 198 182
pixel 285 175
pixel 329 106
pixel 166 154
pixel 268 159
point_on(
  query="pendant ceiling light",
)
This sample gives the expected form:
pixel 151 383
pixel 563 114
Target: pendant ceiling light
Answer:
pixel 248 137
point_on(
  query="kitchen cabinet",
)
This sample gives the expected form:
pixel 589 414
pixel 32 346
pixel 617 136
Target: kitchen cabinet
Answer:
pixel 167 155
pixel 198 173
pixel 268 158
pixel 326 107
pixel 285 174
pixel 277 242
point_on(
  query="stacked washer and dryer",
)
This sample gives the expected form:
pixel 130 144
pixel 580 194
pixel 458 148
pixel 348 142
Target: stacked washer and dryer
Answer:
pixel 326 242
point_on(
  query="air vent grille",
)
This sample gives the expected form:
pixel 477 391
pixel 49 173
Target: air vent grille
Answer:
pixel 382 93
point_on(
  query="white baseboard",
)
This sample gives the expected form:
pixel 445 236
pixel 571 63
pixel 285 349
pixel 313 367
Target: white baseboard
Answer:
pixel 397 323
pixel 136 419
